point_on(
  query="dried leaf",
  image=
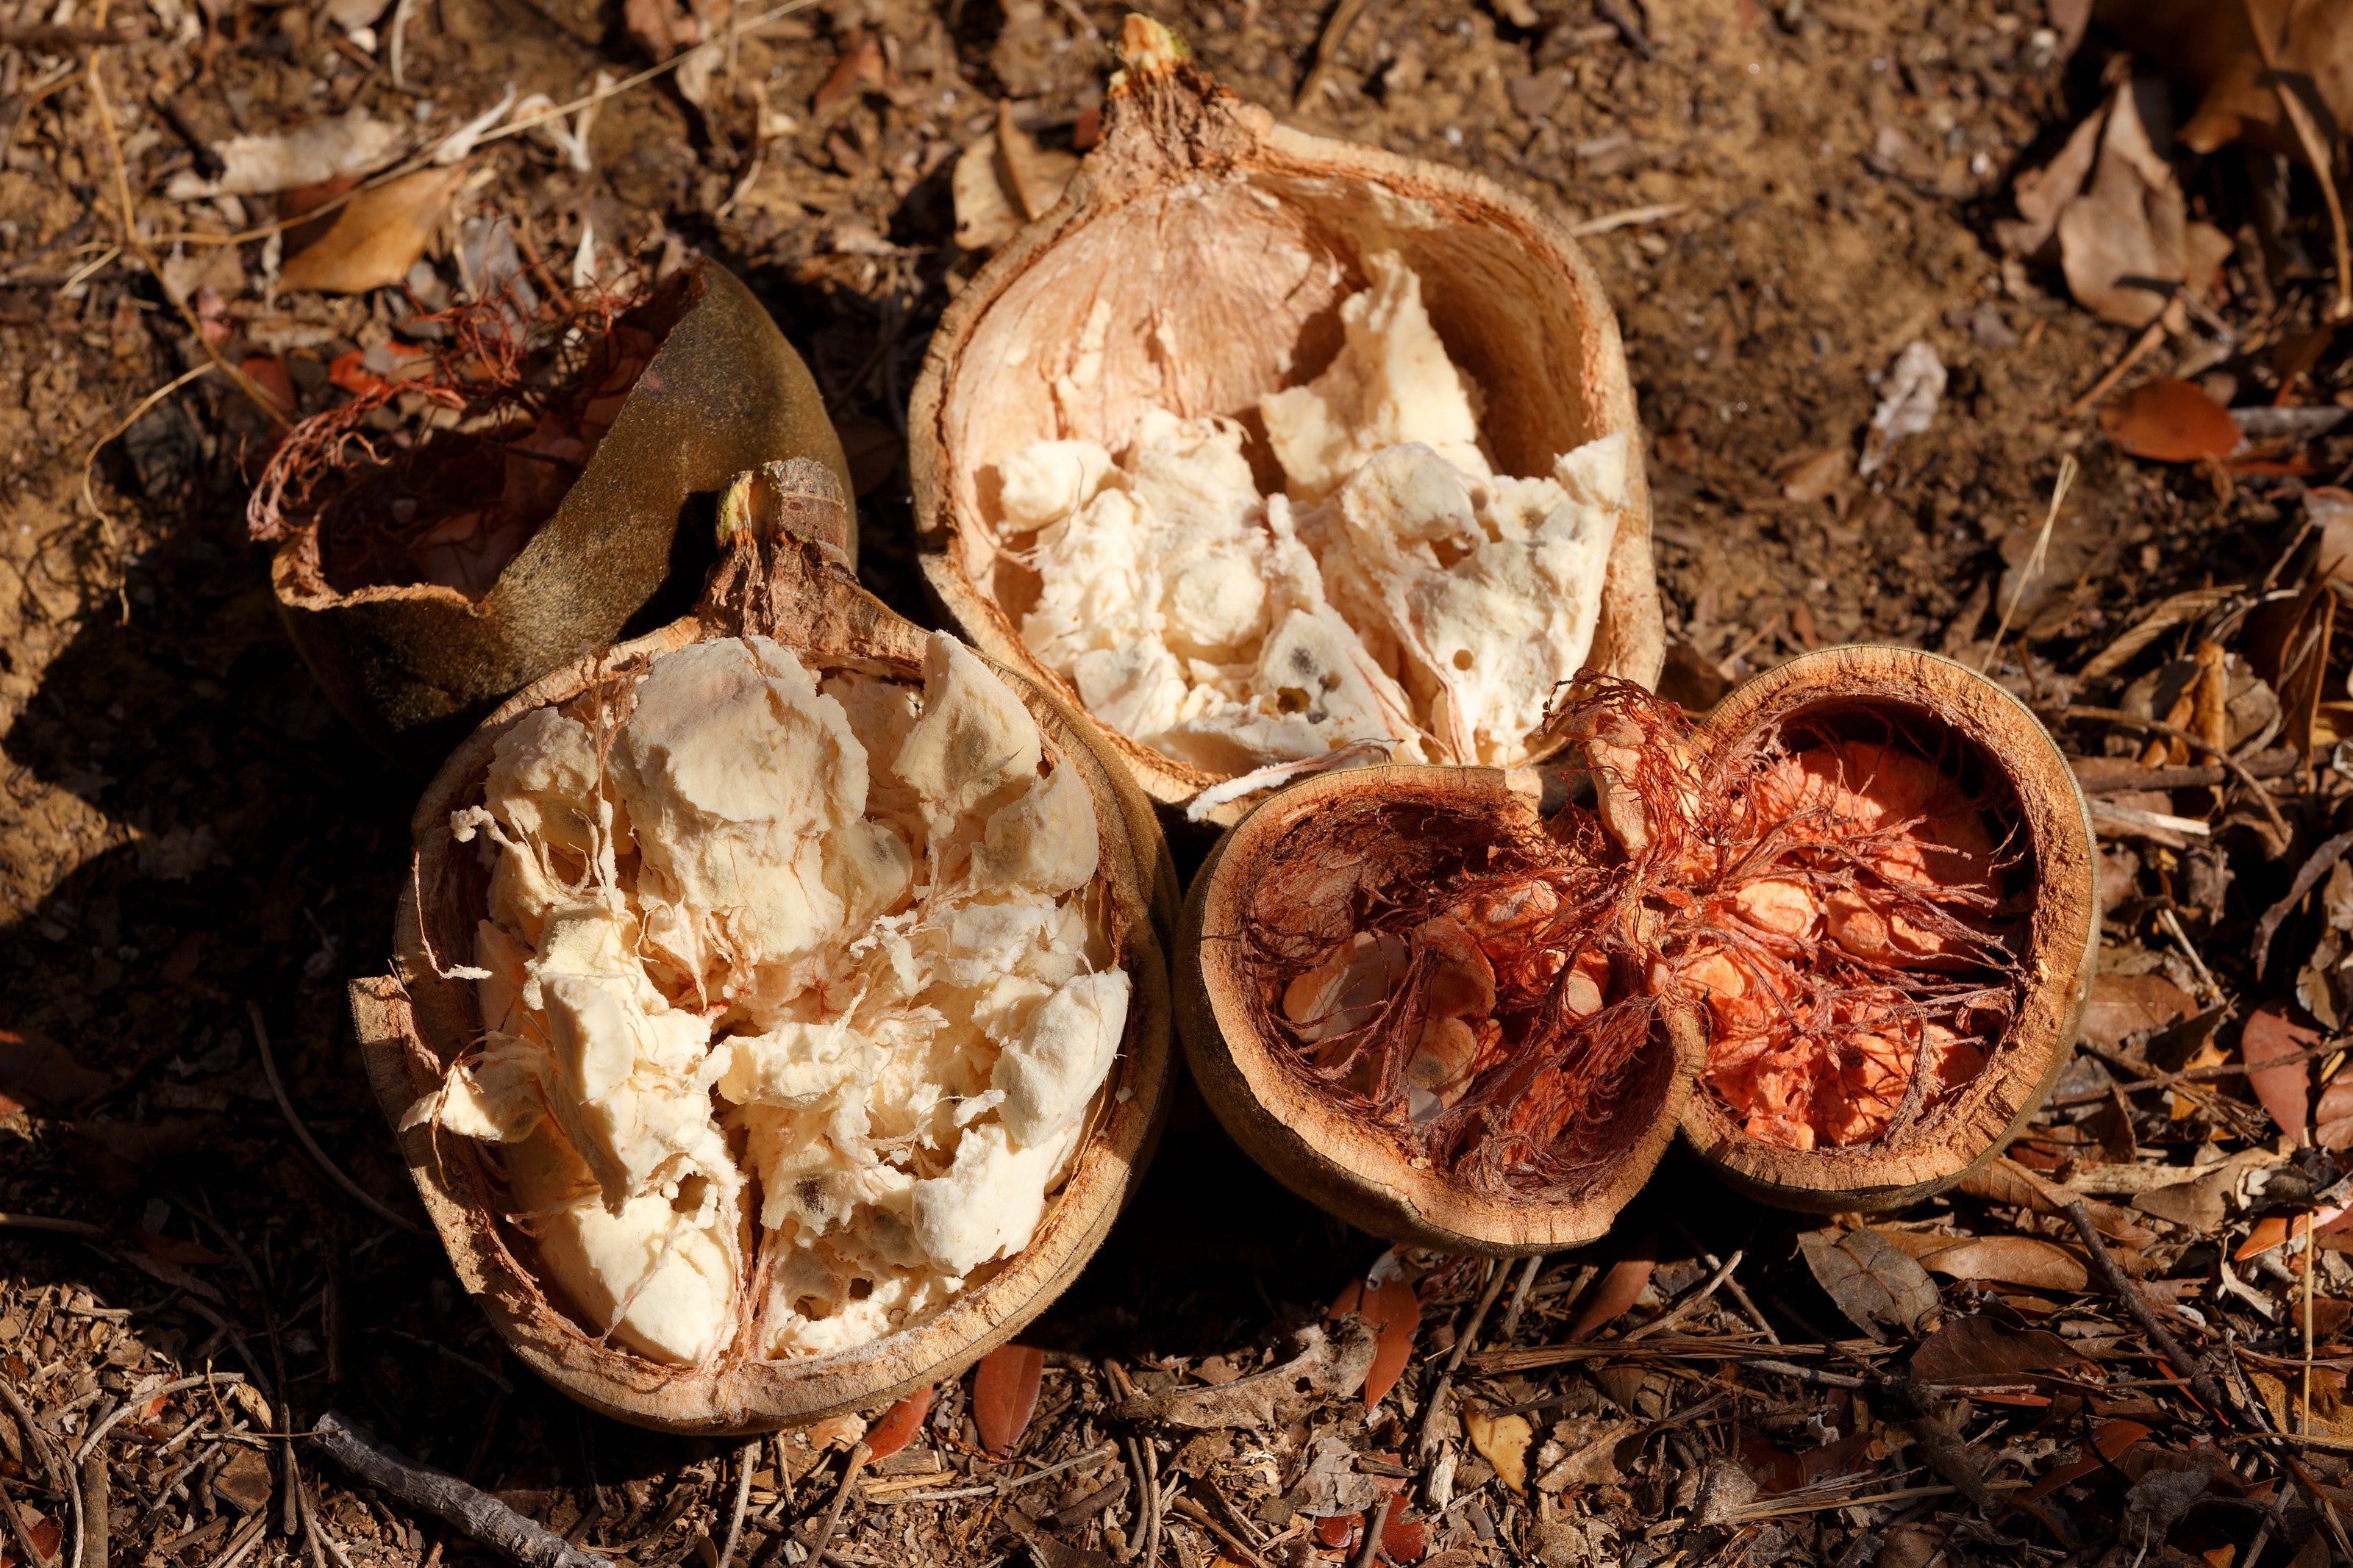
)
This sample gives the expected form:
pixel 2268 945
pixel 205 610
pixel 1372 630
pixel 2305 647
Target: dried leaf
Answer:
pixel 2123 1006
pixel 2209 51
pixel 2024 1260
pixel 2110 1439
pixel 1815 476
pixel 1874 1283
pixel 2170 421
pixel 899 1426
pixel 1773 1468
pixel 1620 1289
pixel 378 236
pixel 1033 177
pixel 862 68
pixel 1404 1538
pixel 1332 1487
pixel 836 1431
pixel 1907 404
pixel 1502 1441
pixel 350 144
pixel 984 214
pixel 1591 1457
pixel 36 1070
pixel 2004 1180
pixel 169 1250
pixel 2121 239
pixel 1395 1312
pixel 1005 1394
pixel 1330 1363
pixel 2286 1091
pixel 1981 1349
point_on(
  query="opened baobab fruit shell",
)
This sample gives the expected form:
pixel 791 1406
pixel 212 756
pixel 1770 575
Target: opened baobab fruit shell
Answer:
pixel 413 654
pixel 1310 865
pixel 731 1307
pixel 1841 930
pixel 1203 260
pixel 2012 808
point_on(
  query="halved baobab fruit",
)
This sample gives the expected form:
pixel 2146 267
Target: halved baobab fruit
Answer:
pixel 1260 446
pixel 1841 930
pixel 1893 923
pixel 778 1018
pixel 526 500
pixel 1418 1002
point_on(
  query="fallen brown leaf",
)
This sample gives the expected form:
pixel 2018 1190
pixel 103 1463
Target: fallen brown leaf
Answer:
pixel 1979 1349
pixel 1395 1312
pixel 2208 49
pixel 2024 1260
pixel 1331 1363
pixel 900 1425
pixel 1620 1289
pixel 2285 1091
pixel 36 1070
pixel 1005 1393
pixel 378 236
pixel 1873 1281
pixel 2123 1006
pixel 2170 421
pixel 1502 1441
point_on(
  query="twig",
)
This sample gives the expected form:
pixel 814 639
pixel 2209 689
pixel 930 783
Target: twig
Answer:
pixel 1689 1303
pixel 2033 567
pixel 1372 1528
pixel 202 1380
pixel 744 1458
pixel 286 1107
pixel 33 1554
pixel 53 1463
pixel 1100 1452
pixel 1628 217
pixel 2202 1385
pixel 858 1454
pixel 2149 340
pixel 1428 1439
pixel 2174 731
pixel 477 1514
pixel 1344 16
pixel 1803 1374
pixel 1191 1508
pixel 2315 152
pixel 1731 1282
pixel 1519 1298
pixel 43 1222
pixel 2172 924
pixel 2201 1075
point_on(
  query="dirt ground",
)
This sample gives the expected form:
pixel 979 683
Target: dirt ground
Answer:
pixel 193 845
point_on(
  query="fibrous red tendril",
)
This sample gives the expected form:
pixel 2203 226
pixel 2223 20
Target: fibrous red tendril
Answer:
pixel 1486 988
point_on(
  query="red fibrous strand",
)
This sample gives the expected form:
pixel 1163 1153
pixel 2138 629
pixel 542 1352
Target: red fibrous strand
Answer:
pixel 1485 989
pixel 442 473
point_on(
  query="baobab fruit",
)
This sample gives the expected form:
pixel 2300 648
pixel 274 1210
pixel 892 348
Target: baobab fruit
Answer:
pixel 779 1017
pixel 1251 470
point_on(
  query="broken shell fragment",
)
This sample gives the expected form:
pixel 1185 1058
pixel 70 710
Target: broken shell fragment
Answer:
pixel 536 541
pixel 779 1018
pixel 1261 445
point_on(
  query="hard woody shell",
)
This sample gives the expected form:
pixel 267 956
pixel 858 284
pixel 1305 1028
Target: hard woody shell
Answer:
pixel 1214 247
pixel 413 667
pixel 2062 952
pixel 413 1021
pixel 1333 1159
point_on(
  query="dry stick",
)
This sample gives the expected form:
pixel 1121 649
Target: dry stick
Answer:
pixel 751 1451
pixel 202 1380
pixel 17 1526
pixel 1731 1282
pixel 2133 356
pixel 2304 1410
pixel 1519 1298
pixel 286 1107
pixel 2175 732
pixel 54 1460
pixel 1428 1439
pixel 476 1514
pixel 2201 1075
pixel 2315 152
pixel 43 1222
pixel 1344 16
pixel 2202 1385
pixel 1373 1529
pixel 2033 561
pixel 1159 1502
pixel 1689 1303
pixel 1191 1508
pixel 858 1454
